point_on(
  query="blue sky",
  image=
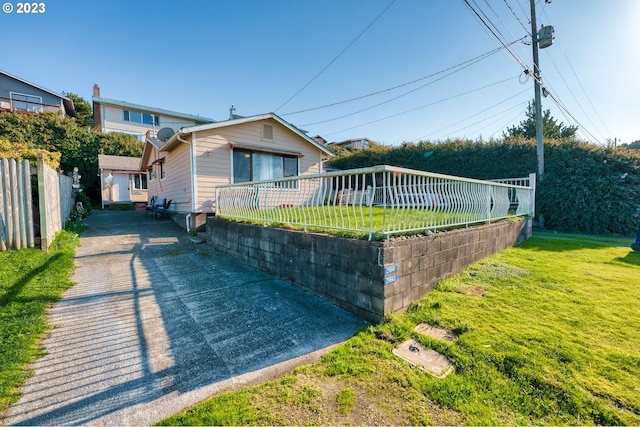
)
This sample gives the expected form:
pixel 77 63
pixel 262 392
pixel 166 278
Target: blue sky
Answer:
pixel 288 56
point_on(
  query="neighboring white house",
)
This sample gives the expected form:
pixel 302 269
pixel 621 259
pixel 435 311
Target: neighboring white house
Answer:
pixel 19 95
pixel 111 115
pixel 121 180
pixel 188 166
pixel 355 143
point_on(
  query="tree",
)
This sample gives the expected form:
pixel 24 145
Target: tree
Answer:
pixel 635 145
pixel 551 129
pixel 83 110
pixel 72 144
pixel 118 144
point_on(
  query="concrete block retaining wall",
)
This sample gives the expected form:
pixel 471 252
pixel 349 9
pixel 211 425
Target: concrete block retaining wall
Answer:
pixel 369 279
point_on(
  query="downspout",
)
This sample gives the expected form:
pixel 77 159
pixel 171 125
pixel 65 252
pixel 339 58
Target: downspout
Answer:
pixel 101 188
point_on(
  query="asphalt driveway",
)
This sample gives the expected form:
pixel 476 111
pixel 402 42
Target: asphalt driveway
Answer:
pixel 157 322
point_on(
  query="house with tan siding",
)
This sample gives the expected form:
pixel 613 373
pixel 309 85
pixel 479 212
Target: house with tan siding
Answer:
pixel 112 115
pixel 121 180
pixel 187 167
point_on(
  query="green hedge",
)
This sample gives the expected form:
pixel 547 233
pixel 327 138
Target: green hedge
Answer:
pixel 63 140
pixel 586 188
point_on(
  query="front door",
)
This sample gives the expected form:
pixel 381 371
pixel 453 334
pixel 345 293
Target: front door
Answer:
pixel 120 188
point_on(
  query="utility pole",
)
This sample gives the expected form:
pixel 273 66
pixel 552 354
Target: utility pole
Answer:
pixel 538 106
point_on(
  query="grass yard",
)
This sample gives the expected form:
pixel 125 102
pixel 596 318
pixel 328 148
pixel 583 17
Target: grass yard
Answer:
pixel 547 334
pixel 356 221
pixel 30 280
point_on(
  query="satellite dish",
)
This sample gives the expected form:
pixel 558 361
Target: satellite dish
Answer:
pixel 164 134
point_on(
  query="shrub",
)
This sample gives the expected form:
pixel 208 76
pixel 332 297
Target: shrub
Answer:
pixel 586 188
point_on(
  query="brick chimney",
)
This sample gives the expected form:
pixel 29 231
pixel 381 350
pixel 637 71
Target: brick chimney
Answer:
pixel 97 114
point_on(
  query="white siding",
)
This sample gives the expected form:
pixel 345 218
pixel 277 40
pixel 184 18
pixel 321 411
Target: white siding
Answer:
pixel 153 185
pixel 176 186
pixel 113 121
pixel 133 195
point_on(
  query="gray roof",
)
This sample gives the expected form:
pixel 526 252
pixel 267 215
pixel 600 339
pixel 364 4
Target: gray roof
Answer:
pixel 158 111
pixel 118 162
pixel 240 120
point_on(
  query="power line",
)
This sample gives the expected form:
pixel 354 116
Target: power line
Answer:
pixel 574 96
pixel 524 12
pixel 503 23
pixel 565 110
pixel 470 61
pixel 586 94
pixel 420 107
pixel 526 30
pixel 491 30
pixel 390 99
pixel 484 120
pixel 537 79
pixel 338 56
pixel 474 115
pixel 520 113
pixel 512 53
pixel 579 82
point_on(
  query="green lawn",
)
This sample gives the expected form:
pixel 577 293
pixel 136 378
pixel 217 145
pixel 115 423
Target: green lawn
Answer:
pixel 548 334
pixel 357 221
pixel 30 280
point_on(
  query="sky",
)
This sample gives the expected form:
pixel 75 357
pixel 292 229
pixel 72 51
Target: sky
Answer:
pixel 393 71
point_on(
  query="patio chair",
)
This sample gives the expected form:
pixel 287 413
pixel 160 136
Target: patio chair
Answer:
pixel 161 207
pixel 150 205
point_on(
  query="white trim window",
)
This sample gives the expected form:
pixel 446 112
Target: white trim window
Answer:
pixel 259 166
pixel 139 181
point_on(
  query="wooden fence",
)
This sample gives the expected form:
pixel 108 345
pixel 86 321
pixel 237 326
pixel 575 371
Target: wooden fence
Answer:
pixel 30 218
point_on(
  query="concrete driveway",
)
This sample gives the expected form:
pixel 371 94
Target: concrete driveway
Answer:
pixel 157 322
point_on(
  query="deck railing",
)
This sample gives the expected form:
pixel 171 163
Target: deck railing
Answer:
pixel 26 106
pixel 381 200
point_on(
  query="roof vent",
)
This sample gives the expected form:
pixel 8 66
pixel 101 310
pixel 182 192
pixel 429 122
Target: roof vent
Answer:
pixel 267 132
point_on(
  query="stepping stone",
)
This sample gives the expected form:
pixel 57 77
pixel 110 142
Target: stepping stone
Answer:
pixel 426 359
pixel 435 332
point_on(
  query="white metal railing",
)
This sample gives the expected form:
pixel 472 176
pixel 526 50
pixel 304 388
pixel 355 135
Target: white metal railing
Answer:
pixel 382 200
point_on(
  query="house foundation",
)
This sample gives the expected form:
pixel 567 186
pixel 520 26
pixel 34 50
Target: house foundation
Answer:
pixel 368 279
